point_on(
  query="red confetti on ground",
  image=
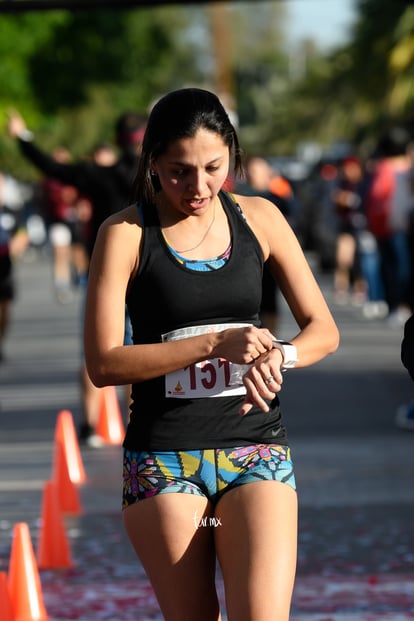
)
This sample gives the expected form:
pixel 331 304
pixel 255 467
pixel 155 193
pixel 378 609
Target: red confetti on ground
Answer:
pixel 77 596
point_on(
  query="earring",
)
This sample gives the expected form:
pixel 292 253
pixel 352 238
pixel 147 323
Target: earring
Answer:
pixel 153 173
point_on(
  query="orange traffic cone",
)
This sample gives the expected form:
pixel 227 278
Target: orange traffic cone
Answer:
pixel 53 550
pixel 110 424
pixel 67 492
pixel 24 580
pixel 6 613
pixel 66 434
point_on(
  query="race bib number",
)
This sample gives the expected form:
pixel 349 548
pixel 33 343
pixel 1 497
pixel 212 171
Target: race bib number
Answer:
pixel 216 377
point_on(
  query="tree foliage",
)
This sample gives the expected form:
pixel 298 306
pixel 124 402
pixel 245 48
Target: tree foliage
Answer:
pixel 72 73
pixel 354 91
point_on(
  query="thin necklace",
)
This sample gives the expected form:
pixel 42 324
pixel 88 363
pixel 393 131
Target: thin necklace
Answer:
pixel 207 231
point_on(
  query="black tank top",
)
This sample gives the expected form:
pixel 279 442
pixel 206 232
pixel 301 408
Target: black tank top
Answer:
pixel 166 296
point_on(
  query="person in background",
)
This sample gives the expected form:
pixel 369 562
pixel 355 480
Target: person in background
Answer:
pixel 66 214
pixel 207 467
pixel 104 154
pixel 259 176
pixel 280 187
pixel 405 414
pixel 388 204
pixel 109 188
pixel 13 242
pixel 411 223
pixel 348 201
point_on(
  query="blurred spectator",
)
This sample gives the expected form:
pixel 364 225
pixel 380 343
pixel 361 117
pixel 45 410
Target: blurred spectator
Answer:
pixel 405 414
pixel 411 225
pixel 104 154
pixel 389 200
pixel 13 242
pixel 110 189
pixel 348 200
pixel 260 179
pixel 317 221
pixel 357 273
pixel 375 306
pixel 280 187
pixel 67 215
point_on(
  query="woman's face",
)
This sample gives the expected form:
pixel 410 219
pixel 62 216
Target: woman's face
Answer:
pixel 192 171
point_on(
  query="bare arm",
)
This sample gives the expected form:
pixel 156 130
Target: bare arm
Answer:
pixel 114 262
pixel 77 174
pixel 318 335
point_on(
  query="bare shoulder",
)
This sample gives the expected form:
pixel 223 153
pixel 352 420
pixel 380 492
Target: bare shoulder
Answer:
pixel 127 216
pixel 264 218
pixel 258 210
pixel 125 223
pixel 119 236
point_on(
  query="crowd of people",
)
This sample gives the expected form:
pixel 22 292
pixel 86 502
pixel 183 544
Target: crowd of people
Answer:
pixel 356 214
pixel 360 214
pixel 74 199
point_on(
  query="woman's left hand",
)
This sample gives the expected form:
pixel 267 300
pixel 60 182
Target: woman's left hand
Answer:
pixel 262 381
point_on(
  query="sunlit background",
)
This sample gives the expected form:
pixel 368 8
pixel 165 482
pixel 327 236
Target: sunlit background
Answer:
pixel 298 76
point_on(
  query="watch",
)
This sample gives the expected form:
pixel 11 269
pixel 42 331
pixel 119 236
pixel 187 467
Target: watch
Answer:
pixel 289 353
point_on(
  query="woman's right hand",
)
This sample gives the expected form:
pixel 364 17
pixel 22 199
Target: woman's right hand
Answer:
pixel 242 345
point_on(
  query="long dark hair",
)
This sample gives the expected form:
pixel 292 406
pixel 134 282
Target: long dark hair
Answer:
pixel 180 114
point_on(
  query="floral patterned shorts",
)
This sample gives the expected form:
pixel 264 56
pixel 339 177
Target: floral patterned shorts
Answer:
pixel 208 472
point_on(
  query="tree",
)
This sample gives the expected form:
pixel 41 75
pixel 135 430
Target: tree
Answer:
pixel 401 65
pixel 374 72
pixel 72 74
pixel 352 92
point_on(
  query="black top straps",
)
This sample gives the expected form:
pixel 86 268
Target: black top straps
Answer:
pixel 166 296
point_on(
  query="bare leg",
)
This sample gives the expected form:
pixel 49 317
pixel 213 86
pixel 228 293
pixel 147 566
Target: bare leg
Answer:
pixel 80 260
pixel 177 554
pixel 345 253
pixel 256 545
pixel 60 239
pixel 62 266
pixel 4 317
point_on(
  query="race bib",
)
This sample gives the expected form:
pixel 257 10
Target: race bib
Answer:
pixel 216 377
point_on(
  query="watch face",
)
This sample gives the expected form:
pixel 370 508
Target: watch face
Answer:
pixel 290 355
